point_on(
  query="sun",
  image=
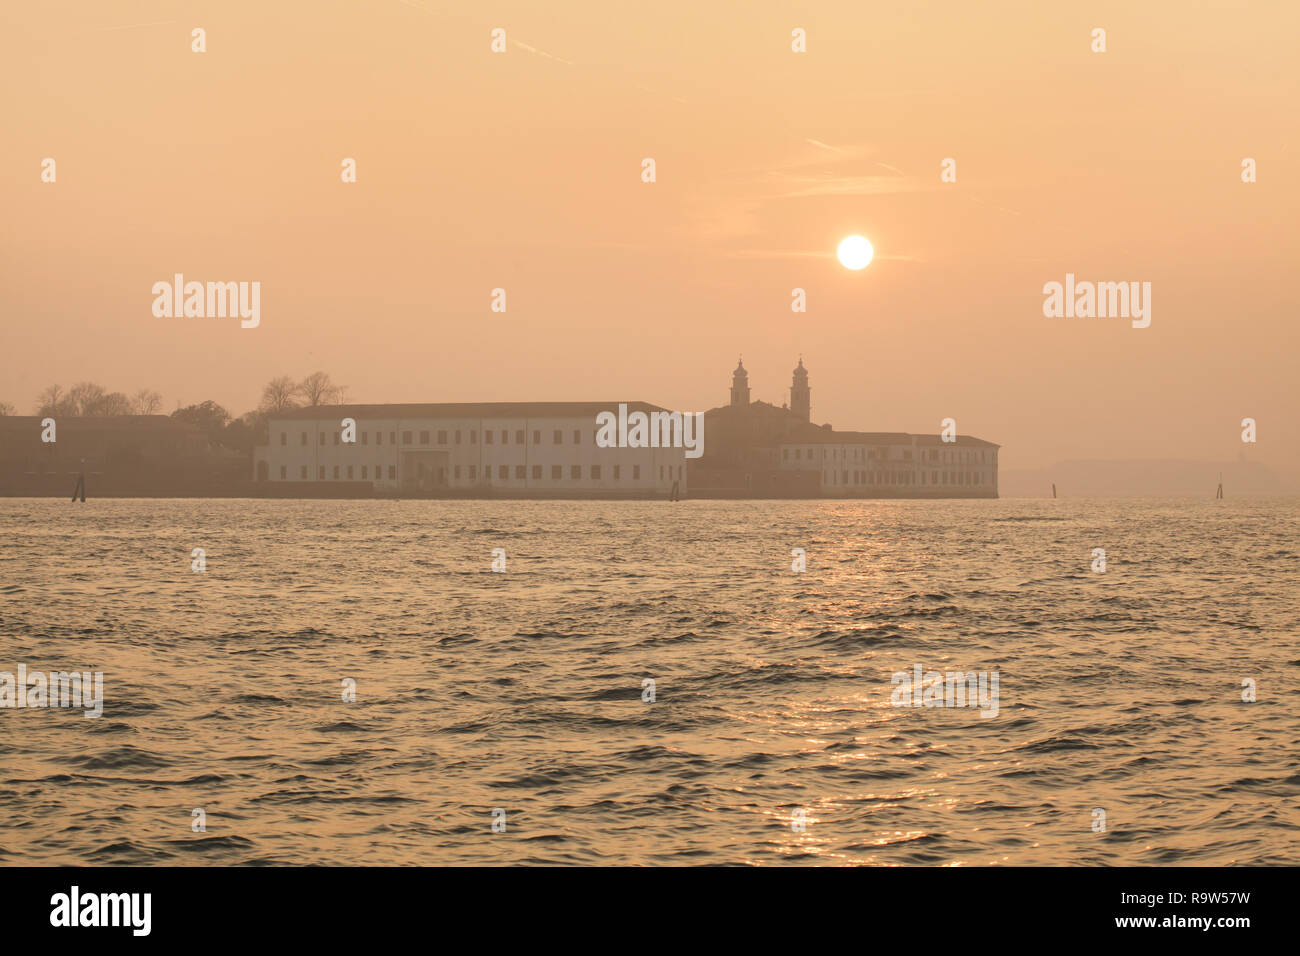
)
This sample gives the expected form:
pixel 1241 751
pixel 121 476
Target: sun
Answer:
pixel 855 253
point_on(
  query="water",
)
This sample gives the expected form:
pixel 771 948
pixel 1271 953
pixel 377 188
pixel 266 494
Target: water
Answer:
pixel 523 690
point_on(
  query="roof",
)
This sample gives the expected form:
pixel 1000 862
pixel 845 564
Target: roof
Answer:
pixel 465 410
pixel 815 435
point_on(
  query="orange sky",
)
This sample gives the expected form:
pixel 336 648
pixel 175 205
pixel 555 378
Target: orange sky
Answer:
pixel 522 171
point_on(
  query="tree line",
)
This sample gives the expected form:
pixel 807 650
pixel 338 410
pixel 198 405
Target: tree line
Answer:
pixel 280 394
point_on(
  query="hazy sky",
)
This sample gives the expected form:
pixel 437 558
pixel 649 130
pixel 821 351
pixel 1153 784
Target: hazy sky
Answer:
pixel 522 170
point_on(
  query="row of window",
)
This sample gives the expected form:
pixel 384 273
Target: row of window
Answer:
pixel 594 472
pixel 878 455
pixel 904 477
pixel 408 437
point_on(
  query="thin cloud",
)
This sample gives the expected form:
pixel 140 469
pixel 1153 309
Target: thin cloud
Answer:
pixel 806 254
pixel 132 26
pixel 802 187
pixel 532 49
pixel 817 142
pixel 1014 212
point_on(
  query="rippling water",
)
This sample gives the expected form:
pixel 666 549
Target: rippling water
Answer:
pixel 523 690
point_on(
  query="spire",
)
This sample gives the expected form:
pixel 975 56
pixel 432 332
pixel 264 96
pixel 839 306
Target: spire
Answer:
pixel 740 385
pixel 800 393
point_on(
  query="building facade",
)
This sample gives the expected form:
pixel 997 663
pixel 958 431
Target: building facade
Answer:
pixel 536 449
pixel 756 449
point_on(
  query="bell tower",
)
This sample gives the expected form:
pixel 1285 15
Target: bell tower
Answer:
pixel 800 393
pixel 740 386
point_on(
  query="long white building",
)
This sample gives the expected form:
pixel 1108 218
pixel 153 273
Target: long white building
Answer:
pixel 498 448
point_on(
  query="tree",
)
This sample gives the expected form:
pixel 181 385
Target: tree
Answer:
pixel 6 408
pixel 84 397
pixel 209 417
pixel 114 403
pixel 244 432
pixel 146 402
pixel 53 401
pixel 279 395
pixel 318 388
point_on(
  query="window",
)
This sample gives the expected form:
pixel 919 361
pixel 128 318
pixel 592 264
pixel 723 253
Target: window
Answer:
pixel 336 438
pixel 595 472
pixel 519 472
pixel 424 438
pixel 336 472
pixel 785 452
pixel 457 436
pixel 455 472
pixel 365 438
pixel 406 438
pixel 392 472
pixel 379 438
pixel 616 469
pixel 487 438
pixel 503 472
pixel 661 472
pixel 558 439
pixel 322 438
pixel 557 471
pixel 473 472
pixel 320 473
pixel 519 436
pixel 365 472
pixel 304 438
pixel 473 436
pixel 577 437
pixel 844 477
pixel 392 438
pixel 575 471
pixel 537 436
pixel 349 472
pixel 442 436
pixel 505 437
pixel 537 472
pixel 284 473
pixel 798 454
pixel 303 473
pixel 284 438
pixel 636 472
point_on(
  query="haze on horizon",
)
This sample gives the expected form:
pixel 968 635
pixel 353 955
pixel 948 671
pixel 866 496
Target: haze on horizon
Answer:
pixel 522 170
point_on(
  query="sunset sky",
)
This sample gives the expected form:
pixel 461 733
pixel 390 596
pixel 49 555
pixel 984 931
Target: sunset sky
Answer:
pixel 522 170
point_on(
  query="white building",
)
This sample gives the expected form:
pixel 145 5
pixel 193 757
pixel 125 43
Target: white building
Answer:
pixel 893 464
pixel 525 449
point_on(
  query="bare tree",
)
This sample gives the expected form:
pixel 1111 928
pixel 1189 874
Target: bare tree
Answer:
pixel 6 408
pixel 318 388
pixel 52 401
pixel 279 395
pixel 114 403
pixel 84 397
pixel 146 402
